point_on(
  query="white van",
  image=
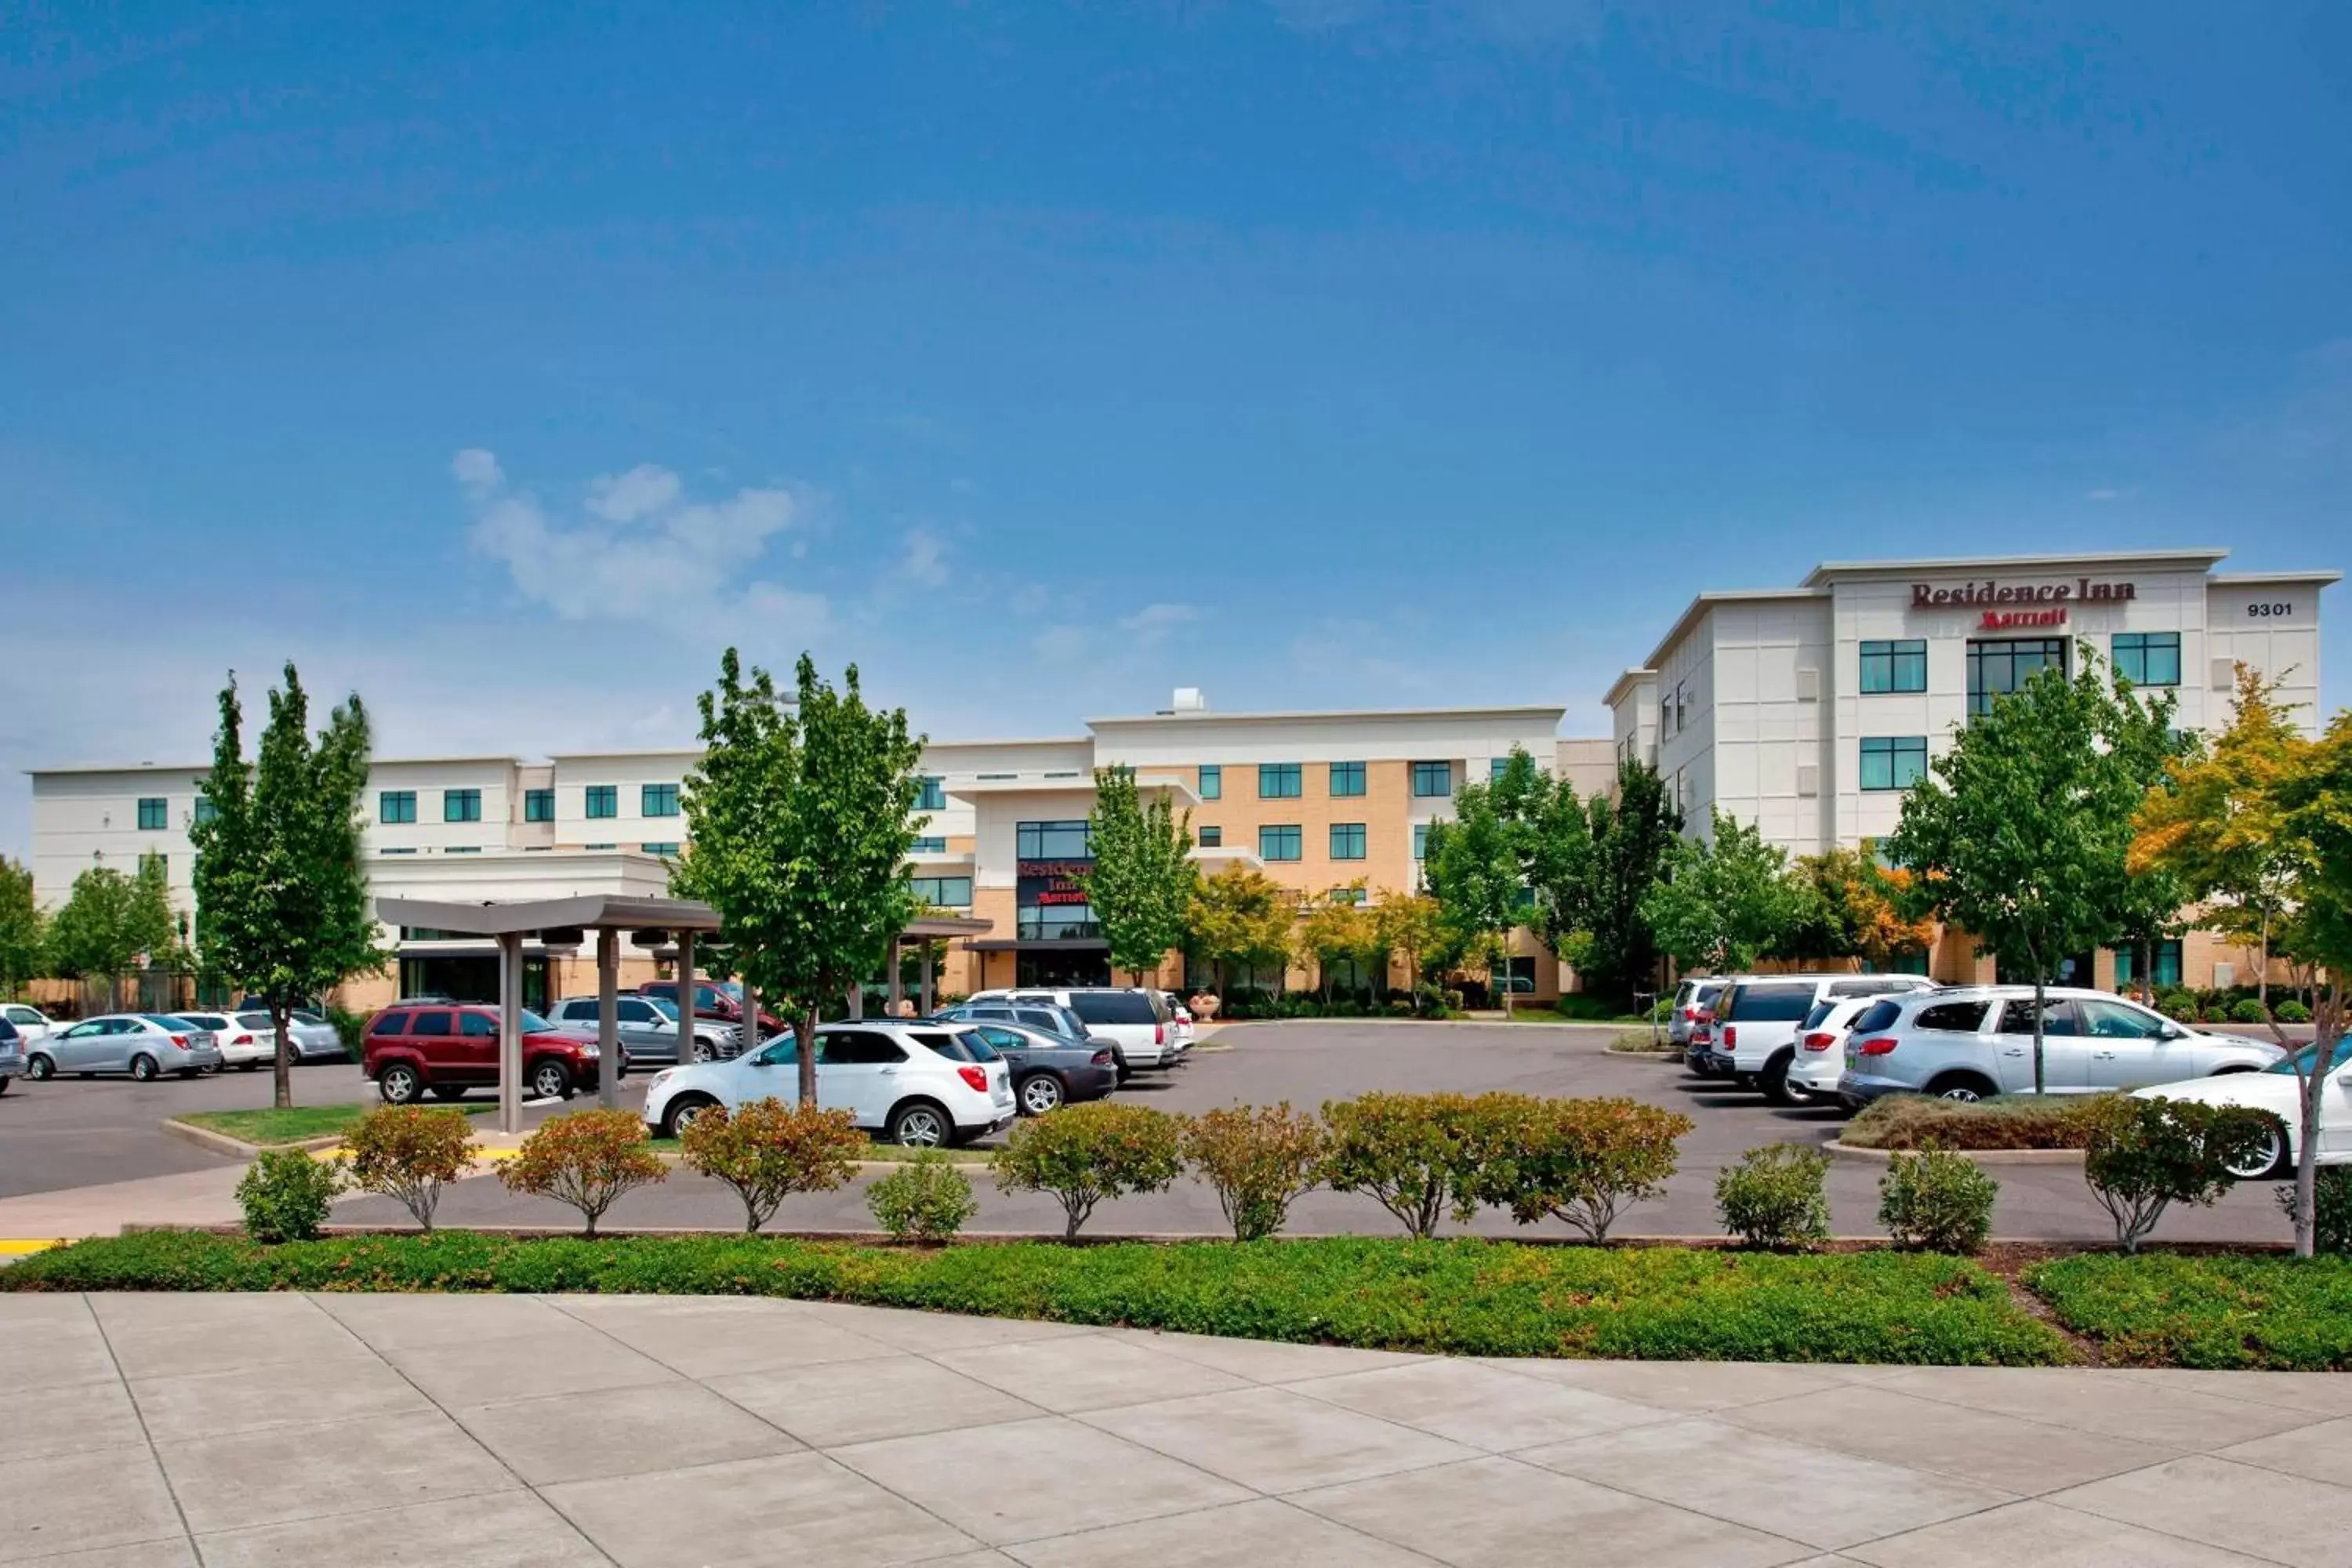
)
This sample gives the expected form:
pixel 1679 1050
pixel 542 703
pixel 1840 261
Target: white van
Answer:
pixel 1132 1021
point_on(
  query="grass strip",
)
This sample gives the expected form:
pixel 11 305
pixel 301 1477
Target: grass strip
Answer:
pixel 1465 1297
pixel 270 1127
pixel 2163 1309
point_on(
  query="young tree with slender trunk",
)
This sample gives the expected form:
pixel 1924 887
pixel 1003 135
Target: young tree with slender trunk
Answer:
pixel 281 895
pixel 1724 905
pixel 108 920
pixel 1241 916
pixel 1474 868
pixel 1607 937
pixel 24 930
pixel 1142 882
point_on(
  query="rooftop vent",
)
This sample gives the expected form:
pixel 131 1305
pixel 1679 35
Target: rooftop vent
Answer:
pixel 1189 699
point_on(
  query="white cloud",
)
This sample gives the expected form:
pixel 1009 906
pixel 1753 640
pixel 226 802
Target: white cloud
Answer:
pixel 643 553
pixel 2103 493
pixel 926 557
pixel 1150 626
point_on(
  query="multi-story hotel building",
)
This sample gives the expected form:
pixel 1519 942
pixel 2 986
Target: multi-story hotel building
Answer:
pixel 1315 800
pixel 1809 710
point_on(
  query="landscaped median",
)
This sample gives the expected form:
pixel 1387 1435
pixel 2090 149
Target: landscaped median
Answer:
pixel 1467 1297
pixel 2161 1309
pixel 294 1126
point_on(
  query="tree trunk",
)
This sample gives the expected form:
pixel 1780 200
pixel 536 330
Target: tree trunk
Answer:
pixel 2262 975
pixel 805 1032
pixel 2038 1086
pixel 281 1013
pixel 2312 1085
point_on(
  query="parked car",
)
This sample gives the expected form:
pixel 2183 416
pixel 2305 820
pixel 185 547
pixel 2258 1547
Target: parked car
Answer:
pixel 647 1028
pixel 1135 1020
pixel 144 1045
pixel 1692 998
pixel 2278 1090
pixel 411 1051
pixel 1756 1020
pixel 1819 1059
pixel 1969 1042
pixel 30 1023
pixel 1044 1017
pixel 1049 1070
pixel 910 1081
pixel 714 1002
pixel 314 1039
pixel 241 1044
pixel 12 1052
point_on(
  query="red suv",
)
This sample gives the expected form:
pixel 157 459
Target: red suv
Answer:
pixel 713 1002
pixel 451 1049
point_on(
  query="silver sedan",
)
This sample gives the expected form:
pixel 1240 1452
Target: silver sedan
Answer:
pixel 144 1045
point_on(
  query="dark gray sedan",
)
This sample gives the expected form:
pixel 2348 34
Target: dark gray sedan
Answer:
pixel 1049 1072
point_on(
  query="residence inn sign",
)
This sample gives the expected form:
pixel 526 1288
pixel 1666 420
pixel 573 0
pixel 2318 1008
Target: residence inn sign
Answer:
pixel 2034 603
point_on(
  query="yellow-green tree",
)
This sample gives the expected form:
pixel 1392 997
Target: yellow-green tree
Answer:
pixel 1241 916
pixel 1338 929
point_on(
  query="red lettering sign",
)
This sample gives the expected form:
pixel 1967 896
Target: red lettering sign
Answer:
pixel 2002 620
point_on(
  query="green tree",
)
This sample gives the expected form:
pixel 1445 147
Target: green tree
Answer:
pixel 1721 906
pixel 1142 883
pixel 1241 916
pixel 281 895
pixel 1852 907
pixel 2018 834
pixel 1608 939
pixel 107 923
pixel 1411 925
pixel 1552 834
pixel 2141 745
pixel 1474 868
pixel 1338 929
pixel 24 930
pixel 802 820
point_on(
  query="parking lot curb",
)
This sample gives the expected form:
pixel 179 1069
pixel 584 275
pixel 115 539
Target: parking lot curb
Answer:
pixel 222 1143
pixel 1981 1156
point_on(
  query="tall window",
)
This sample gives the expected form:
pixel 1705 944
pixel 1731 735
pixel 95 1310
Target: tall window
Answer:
pixel 1496 767
pixel 1897 664
pixel 1998 667
pixel 930 794
pixel 1213 784
pixel 1347 778
pixel 945 892
pixel 1893 762
pixel 657 800
pixel 1420 841
pixel 604 800
pixel 539 806
pixel 205 809
pixel 461 805
pixel 1053 840
pixel 1280 843
pixel 154 815
pixel 928 847
pixel 1277 781
pixel 1211 838
pixel 1347 841
pixel 1432 779
pixel 2149 659
pixel 396 805
pixel 2164 972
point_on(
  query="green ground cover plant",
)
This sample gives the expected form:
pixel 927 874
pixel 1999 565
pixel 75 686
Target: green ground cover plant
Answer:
pixel 2167 1310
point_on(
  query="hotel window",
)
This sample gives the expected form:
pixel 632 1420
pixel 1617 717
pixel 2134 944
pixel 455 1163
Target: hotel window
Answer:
pixel 1496 767
pixel 1420 841
pixel 1433 781
pixel 944 893
pixel 400 850
pixel 1347 841
pixel 396 805
pixel 1346 895
pixel 1213 784
pixel 666 851
pixel 1278 843
pixel 604 800
pixel 2165 972
pixel 1998 667
pixel 1893 762
pixel 657 800
pixel 599 846
pixel 461 805
pixel 1213 838
pixel 930 794
pixel 205 809
pixel 2149 659
pixel 1347 778
pixel 463 849
pixel 1277 781
pixel 928 847
pixel 539 806
pixel 1053 840
pixel 154 815
pixel 1898 664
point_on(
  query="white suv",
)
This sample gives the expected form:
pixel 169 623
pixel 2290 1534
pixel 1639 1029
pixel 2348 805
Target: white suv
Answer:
pixel 1133 1022
pixel 1758 1016
pixel 926 1085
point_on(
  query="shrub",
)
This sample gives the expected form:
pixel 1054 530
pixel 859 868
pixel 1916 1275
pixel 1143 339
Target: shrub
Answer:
pixel 2014 1122
pixel 1774 1197
pixel 1416 1154
pixel 409 1153
pixel 1258 1161
pixel 286 1195
pixel 2292 1012
pixel 2249 1011
pixel 587 1160
pixel 1580 1161
pixel 767 1150
pixel 2178 1005
pixel 1936 1201
pixel 2332 1199
pixel 925 1199
pixel 1084 1153
pixel 2145 1155
pixel 350 1027
pixel 2214 1013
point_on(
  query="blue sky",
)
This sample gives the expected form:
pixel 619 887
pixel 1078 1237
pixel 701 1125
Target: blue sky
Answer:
pixel 503 362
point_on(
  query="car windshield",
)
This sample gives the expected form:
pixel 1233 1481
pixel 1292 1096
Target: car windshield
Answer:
pixel 167 1023
pixel 664 1006
pixel 533 1022
pixel 300 1016
pixel 2300 1061
pixel 253 1020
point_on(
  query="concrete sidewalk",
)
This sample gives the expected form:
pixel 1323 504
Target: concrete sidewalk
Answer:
pixel 653 1432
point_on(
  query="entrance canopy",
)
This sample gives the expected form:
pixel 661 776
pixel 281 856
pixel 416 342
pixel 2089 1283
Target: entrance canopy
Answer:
pixel 559 922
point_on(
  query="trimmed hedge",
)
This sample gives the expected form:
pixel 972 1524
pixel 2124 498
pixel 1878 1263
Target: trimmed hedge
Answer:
pixel 1913 1122
pixel 2160 1309
pixel 1467 1297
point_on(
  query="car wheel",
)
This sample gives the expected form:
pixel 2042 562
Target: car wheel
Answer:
pixel 1774 1081
pixel 550 1079
pixel 144 1067
pixel 1961 1086
pixel 2267 1162
pixel 40 1068
pixel 1041 1092
pixel 680 1114
pixel 702 1051
pixel 919 1124
pixel 399 1084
